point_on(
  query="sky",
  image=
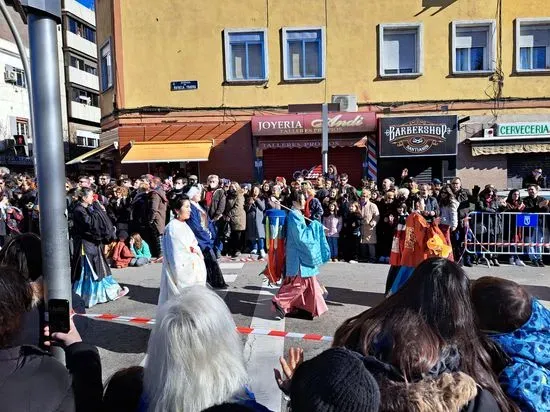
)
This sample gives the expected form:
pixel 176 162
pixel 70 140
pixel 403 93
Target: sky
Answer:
pixel 87 3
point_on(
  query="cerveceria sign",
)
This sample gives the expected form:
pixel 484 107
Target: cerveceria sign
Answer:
pixel 420 136
pixel 522 129
pixel 312 123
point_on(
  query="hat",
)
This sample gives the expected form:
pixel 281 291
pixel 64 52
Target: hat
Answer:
pixel 334 381
pixel 436 181
pixel 194 177
pixel 192 192
pixel 123 235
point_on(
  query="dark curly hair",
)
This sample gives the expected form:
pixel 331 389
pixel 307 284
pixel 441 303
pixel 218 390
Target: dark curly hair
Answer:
pixel 15 299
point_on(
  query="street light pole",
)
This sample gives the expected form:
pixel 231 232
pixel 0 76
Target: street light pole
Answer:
pixel 42 18
pixel 324 139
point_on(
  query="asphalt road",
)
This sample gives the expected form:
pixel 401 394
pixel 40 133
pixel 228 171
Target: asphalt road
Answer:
pixel 352 289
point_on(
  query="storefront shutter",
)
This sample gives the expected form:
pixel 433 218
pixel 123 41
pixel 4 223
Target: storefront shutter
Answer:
pixel 287 162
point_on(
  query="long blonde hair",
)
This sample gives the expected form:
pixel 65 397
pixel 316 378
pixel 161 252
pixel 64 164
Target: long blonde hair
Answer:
pixel 136 237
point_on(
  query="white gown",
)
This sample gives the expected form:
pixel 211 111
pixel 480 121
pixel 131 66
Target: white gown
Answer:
pixel 183 263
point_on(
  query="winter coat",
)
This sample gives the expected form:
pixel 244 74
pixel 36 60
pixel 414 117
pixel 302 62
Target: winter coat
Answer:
pixel 489 224
pixel 122 255
pixel 449 214
pixel 158 204
pixel 217 206
pixel 532 204
pixel 202 227
pixel 314 209
pixel 444 392
pixel 371 216
pixel 234 211
pixel 463 198
pixel 33 381
pixel 140 214
pixel 527 379
pixel 255 228
pixel 334 225
pixel 351 227
pixel 532 180
pixel 119 212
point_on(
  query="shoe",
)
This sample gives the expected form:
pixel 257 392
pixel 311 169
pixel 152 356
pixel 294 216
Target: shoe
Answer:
pixel 512 261
pixel 541 264
pixel 263 254
pixel 495 262
pixel 122 292
pixel 353 262
pixel 519 262
pixel 381 259
pixel 468 263
pixel 236 254
pixel 253 252
pixel 279 312
pixel 387 259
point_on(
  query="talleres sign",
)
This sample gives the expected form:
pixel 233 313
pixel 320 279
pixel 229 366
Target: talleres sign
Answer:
pixel 312 123
pixel 418 136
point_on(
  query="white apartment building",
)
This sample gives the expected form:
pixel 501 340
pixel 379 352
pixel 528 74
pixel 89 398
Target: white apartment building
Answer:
pixel 82 77
pixel 15 131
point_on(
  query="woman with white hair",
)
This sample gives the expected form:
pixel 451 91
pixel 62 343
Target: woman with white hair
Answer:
pixel 195 356
pixel 183 263
pixel 204 230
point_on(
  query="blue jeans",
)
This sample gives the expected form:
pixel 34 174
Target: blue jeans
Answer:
pixel 139 261
pixel 536 236
pixel 333 245
pixel 258 244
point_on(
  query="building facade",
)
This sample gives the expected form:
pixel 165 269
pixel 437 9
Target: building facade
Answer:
pixel 82 79
pixel 421 84
pixel 16 140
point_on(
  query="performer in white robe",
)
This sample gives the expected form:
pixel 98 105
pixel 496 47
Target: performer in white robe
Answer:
pixel 183 263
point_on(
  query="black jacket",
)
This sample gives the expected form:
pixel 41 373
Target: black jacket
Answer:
pixel 532 205
pixel 532 180
pixel 32 380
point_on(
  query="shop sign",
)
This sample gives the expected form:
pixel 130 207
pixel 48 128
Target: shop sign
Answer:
pixel 184 85
pixel 312 123
pixel 522 129
pixel 303 144
pixel 16 160
pixel 418 136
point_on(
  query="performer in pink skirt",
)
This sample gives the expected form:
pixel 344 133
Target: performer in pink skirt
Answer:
pixel 306 249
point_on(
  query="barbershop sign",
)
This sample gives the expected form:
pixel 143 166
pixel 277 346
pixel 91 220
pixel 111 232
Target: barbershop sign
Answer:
pixel 418 136
pixel 312 123
pixel 522 129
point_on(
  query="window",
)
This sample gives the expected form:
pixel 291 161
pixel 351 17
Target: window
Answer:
pixel 245 55
pixel 87 141
pixel 90 69
pixel 474 46
pixel 21 81
pixel 304 53
pixel 400 50
pixel 81 29
pixel 22 127
pixel 81 64
pixel 106 66
pixel 532 45
pixel 84 97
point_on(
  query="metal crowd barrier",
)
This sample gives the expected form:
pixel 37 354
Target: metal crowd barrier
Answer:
pixel 508 233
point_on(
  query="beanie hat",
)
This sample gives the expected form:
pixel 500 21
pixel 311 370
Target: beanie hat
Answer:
pixel 334 381
pixel 123 235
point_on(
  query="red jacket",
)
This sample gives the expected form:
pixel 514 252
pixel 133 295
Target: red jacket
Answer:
pixel 122 255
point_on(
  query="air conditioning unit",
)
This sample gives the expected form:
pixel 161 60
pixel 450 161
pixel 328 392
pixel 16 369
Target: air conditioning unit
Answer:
pixel 84 99
pixel 490 132
pixel 10 76
pixel 347 102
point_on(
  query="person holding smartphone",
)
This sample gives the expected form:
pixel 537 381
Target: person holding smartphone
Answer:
pixel 31 378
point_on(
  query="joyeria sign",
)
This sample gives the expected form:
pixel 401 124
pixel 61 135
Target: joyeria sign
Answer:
pixel 421 136
pixel 312 123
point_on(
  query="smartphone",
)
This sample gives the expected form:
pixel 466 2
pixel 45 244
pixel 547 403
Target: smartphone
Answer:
pixel 59 316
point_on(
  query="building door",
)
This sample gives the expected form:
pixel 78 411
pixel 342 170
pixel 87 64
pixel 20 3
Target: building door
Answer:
pixel 289 162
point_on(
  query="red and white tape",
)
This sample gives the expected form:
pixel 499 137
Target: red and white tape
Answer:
pixel 241 329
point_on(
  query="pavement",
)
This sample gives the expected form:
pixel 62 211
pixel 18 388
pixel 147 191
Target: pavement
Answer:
pixel 352 289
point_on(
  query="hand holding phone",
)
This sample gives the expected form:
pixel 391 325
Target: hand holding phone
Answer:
pixel 60 338
pixel 59 318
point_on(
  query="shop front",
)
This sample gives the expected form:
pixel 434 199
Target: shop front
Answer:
pixel 289 145
pixel 425 145
pixel 521 146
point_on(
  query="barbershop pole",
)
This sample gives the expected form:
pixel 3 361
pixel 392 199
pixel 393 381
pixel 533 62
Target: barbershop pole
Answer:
pixel 324 139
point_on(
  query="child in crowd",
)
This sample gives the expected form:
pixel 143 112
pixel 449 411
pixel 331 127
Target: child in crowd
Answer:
pixel 351 231
pixel 520 325
pixel 140 250
pixel 333 225
pixel 122 255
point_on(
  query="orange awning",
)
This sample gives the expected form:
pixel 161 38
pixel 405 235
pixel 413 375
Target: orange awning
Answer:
pixel 156 152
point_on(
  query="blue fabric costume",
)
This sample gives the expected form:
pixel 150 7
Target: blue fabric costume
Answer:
pixel 306 246
pixel 527 379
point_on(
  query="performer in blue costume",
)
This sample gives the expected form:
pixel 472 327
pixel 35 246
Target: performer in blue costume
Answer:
pixel 306 250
